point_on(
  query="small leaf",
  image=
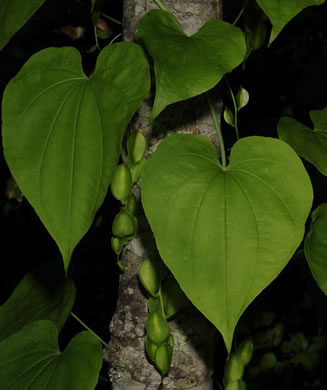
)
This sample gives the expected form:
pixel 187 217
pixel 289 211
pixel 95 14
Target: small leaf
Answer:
pixel 280 12
pixel 31 360
pixel 225 234
pixel 13 15
pixel 44 293
pixel 188 66
pixel 62 132
pixel 309 144
pixel 315 246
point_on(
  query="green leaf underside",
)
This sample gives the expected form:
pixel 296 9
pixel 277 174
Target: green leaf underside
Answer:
pixel 62 132
pixel 309 144
pixel 188 66
pixel 315 246
pixel 44 293
pixel 225 234
pixel 13 15
pixel 280 12
pixel 31 360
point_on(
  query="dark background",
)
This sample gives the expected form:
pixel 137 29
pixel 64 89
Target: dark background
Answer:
pixel 288 78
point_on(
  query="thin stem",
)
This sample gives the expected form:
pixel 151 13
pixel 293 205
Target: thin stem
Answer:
pixel 104 379
pixel 114 38
pixel 218 129
pixel 235 108
pixel 241 12
pixel 86 327
pixel 96 38
pixel 161 5
pixel 110 18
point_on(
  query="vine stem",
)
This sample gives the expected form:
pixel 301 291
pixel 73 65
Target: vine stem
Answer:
pixel 235 108
pixel 218 129
pixel 96 38
pixel 161 5
pixel 110 18
pixel 241 12
pixel 87 328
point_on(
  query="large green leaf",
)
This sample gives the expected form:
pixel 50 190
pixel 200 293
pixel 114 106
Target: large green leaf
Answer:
pixel 44 293
pixel 315 246
pixel 188 66
pixel 13 15
pixel 31 360
pixel 280 12
pixel 309 144
pixel 225 233
pixel 62 132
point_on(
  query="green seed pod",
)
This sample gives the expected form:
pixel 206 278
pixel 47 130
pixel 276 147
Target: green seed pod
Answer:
pixel 170 340
pixel 245 351
pixel 131 205
pixel 242 98
pixel 153 304
pixel 149 274
pixel 157 328
pixel 234 369
pixel 123 224
pixel 229 117
pixel 150 349
pixel 163 358
pixel 121 183
pixel 258 35
pixel 236 385
pixel 137 170
pixel 117 244
pixel 136 147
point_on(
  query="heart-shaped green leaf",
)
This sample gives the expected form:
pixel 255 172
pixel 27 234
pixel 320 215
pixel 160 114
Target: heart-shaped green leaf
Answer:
pixel 50 296
pixel 62 132
pixel 13 15
pixel 315 246
pixel 309 144
pixel 31 360
pixel 225 233
pixel 280 12
pixel 188 66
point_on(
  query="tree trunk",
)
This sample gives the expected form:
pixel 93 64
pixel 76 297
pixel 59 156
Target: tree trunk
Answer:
pixel 192 364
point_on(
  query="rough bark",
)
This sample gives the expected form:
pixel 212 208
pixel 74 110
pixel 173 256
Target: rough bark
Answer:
pixel 192 364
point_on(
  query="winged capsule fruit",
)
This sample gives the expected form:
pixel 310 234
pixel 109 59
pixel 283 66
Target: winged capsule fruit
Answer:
pixel 121 183
pixel 163 358
pixel 234 369
pixel 123 224
pixel 157 328
pixel 150 348
pixel 131 205
pixel 245 351
pixel 117 244
pixel 229 117
pixel 136 146
pixel 149 274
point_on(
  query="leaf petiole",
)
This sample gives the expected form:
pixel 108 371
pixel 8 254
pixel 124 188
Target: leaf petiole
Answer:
pixel 218 129
pixel 241 12
pixel 87 328
pixel 161 5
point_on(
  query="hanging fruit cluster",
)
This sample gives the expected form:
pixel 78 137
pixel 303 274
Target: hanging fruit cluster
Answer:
pixel 124 226
pixel 165 299
pixel 234 367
